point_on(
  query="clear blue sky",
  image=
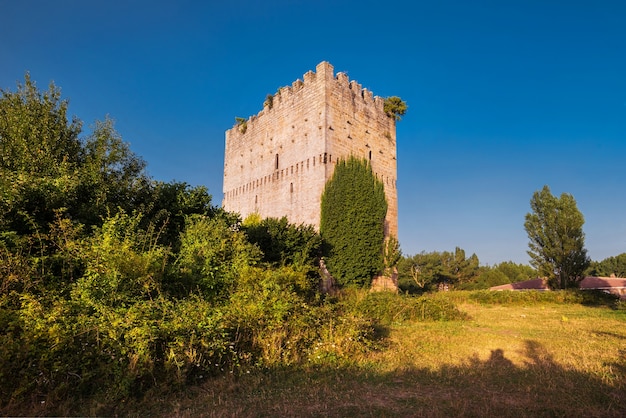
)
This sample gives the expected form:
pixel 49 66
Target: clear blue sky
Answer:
pixel 504 96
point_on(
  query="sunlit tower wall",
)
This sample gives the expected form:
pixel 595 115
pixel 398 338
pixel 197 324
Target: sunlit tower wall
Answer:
pixel 277 162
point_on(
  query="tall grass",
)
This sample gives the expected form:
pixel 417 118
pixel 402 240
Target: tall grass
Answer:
pixel 513 360
pixel 364 354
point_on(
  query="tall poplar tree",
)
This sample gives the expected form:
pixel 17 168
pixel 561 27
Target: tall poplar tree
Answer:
pixel 557 242
pixel 352 222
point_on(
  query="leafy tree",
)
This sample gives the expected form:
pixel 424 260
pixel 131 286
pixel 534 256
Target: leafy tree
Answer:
pixel 111 176
pixel 557 242
pixel 418 273
pixel 35 134
pixel 45 167
pixel 488 278
pixel 463 269
pixel 168 206
pixel 353 211
pixel 39 152
pixel 611 265
pixel 283 243
pixel 427 270
pixel 516 272
pixel 395 107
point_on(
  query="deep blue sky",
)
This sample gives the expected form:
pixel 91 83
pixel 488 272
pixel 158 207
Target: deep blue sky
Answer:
pixel 504 96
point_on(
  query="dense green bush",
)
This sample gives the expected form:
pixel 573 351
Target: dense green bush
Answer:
pixel 212 256
pixel 61 350
pixel 112 284
pixel 352 223
pixel 124 264
pixel 283 243
pixel 387 308
pixel 279 319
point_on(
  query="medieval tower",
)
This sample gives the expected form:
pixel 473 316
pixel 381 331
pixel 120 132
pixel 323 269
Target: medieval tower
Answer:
pixel 277 163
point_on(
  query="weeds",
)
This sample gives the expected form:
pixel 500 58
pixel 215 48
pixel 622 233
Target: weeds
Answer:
pixel 388 308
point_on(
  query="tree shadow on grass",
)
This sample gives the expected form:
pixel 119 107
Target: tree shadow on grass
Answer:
pixel 493 387
pixel 599 298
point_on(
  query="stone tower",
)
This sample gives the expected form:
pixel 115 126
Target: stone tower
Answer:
pixel 277 162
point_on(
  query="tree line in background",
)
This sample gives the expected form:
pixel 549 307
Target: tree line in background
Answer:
pixel 556 248
pixel 426 272
pixel 111 283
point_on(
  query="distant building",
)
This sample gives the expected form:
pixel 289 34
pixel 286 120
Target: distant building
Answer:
pixel 613 285
pixel 277 162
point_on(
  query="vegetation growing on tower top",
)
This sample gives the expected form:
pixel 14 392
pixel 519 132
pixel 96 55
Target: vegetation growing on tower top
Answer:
pixel 242 123
pixel 395 107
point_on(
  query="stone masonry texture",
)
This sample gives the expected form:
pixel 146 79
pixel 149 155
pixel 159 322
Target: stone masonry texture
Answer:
pixel 277 162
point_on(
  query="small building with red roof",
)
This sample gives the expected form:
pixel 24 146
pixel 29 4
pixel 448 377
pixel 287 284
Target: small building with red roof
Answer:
pixel 613 285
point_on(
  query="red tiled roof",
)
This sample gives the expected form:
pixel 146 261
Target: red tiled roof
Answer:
pixel 534 284
pixel 602 283
pixel 587 283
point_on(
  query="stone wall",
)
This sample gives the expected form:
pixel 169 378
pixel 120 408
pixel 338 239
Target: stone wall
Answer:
pixel 278 161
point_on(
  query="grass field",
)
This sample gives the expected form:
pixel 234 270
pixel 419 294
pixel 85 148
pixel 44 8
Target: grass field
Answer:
pixel 537 359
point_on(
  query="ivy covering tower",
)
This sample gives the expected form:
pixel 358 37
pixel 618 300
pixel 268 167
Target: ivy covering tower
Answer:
pixel 353 214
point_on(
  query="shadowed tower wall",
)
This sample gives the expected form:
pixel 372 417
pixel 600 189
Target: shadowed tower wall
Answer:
pixel 277 162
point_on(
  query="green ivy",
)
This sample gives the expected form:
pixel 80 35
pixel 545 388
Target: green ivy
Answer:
pixel 352 223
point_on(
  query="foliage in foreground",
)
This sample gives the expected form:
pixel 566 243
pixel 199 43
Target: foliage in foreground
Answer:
pixel 506 361
pixel 109 341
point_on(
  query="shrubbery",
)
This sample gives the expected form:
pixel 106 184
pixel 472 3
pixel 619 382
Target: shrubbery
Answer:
pixel 112 284
pixel 108 313
pixel 534 297
pixel 387 308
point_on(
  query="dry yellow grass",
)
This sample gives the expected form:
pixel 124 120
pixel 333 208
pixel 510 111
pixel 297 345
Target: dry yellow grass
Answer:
pixel 541 360
pixel 574 336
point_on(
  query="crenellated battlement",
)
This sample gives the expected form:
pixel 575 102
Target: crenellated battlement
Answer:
pixel 325 77
pixel 277 162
